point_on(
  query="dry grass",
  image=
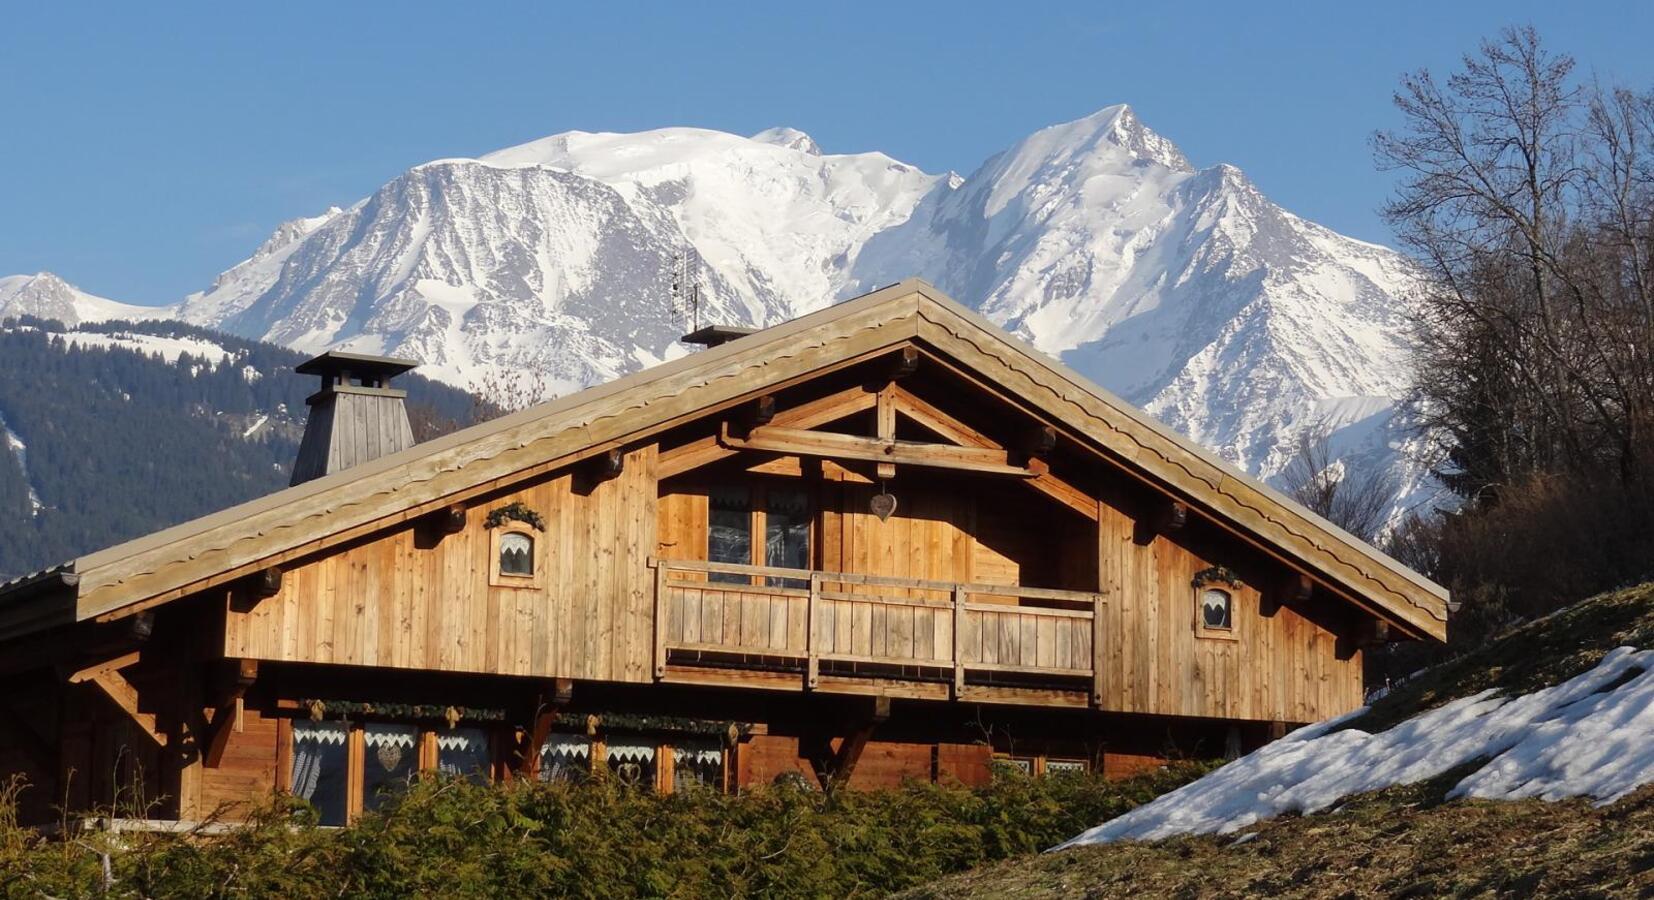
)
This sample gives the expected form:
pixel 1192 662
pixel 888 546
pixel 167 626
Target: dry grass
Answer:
pixel 1402 842
pixel 1405 841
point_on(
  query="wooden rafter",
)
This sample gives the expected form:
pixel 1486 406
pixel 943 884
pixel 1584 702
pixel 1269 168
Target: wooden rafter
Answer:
pixel 821 411
pixel 950 428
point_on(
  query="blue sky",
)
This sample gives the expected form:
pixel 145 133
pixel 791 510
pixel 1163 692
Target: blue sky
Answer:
pixel 146 147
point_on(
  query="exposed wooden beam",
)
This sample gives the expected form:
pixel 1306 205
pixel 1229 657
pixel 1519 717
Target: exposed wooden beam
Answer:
pixel 257 587
pixel 806 442
pixel 557 696
pixel 598 469
pixel 451 520
pixel 842 765
pixel 886 427
pixel 708 450
pixel 109 665
pixel 1038 441
pixel 1164 517
pixel 905 363
pixel 141 626
pixel 761 412
pixel 1293 588
pixel 121 691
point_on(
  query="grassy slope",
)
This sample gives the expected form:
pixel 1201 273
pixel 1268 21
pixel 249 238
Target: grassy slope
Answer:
pixel 1405 841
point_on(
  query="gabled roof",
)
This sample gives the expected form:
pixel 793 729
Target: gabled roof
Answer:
pixel 214 548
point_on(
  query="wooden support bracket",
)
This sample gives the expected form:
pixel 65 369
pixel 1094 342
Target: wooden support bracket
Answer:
pixel 1164 517
pixel 1294 589
pixel 558 695
pixel 255 588
pixel 108 678
pixel 905 363
pixel 598 469
pixel 227 718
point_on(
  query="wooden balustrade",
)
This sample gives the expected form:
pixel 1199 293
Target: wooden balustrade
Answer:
pixel 723 613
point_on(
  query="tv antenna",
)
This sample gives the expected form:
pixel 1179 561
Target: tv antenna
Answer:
pixel 686 286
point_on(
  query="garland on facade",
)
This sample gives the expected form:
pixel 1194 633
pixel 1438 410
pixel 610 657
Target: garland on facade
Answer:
pixel 730 731
pixel 1216 575
pixel 453 715
pixel 515 511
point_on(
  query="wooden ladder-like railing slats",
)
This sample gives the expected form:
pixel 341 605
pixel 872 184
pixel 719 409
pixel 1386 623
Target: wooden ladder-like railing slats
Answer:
pixel 948 629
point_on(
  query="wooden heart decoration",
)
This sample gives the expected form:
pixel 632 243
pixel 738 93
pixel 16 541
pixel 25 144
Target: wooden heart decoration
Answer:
pixel 882 505
pixel 389 755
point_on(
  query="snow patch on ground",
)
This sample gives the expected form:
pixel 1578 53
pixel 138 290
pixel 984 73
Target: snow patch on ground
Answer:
pixel 1591 736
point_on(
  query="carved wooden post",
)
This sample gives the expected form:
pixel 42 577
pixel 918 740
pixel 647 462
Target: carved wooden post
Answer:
pixel 958 641
pixel 812 636
pixel 660 618
pixel 1097 649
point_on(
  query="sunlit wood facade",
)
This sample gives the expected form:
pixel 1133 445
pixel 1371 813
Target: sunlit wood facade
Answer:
pixel 883 542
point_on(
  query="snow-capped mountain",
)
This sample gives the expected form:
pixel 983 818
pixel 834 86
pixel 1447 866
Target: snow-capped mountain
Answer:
pixel 1184 290
pixel 47 296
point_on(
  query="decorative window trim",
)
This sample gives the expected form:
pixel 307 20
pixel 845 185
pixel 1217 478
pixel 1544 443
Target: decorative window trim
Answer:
pixel 497 578
pixel 516 511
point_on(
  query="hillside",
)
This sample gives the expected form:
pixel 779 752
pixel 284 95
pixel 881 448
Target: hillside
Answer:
pixel 113 430
pixel 1422 838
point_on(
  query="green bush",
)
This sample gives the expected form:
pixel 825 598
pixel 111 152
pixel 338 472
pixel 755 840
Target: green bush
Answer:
pixel 453 839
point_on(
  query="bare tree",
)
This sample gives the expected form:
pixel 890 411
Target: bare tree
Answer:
pixel 1356 502
pixel 1526 199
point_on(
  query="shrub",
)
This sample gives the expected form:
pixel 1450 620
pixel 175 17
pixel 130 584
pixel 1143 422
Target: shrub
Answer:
pixel 454 839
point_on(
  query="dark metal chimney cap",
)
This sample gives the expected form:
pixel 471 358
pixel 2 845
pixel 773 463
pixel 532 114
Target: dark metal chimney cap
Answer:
pixel 713 335
pixel 360 365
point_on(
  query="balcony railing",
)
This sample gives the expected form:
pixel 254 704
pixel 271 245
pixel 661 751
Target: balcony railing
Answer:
pixel 722 614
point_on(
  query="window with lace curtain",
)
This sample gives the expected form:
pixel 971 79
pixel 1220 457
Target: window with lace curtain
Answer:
pixel 320 773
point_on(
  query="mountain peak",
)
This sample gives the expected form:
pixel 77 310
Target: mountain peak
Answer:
pixel 45 295
pixel 791 138
pixel 1119 125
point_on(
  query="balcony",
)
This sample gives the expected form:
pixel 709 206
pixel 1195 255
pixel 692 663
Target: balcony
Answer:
pixel 846 626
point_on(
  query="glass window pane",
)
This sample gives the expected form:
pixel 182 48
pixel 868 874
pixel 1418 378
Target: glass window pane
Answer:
pixel 319 762
pixel 1214 608
pixel 1065 767
pixel 697 764
pixel 390 760
pixel 467 753
pixel 516 554
pixel 632 763
pixel 566 757
pixel 729 531
pixel 787 534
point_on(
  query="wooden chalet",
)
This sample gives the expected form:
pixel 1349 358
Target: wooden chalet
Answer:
pixel 883 541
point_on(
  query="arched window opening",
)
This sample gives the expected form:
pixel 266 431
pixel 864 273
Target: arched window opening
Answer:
pixel 516 554
pixel 1216 609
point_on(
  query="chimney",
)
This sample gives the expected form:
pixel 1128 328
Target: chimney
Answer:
pixel 355 417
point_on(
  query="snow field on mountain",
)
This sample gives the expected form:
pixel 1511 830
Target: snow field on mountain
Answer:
pixel 1182 289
